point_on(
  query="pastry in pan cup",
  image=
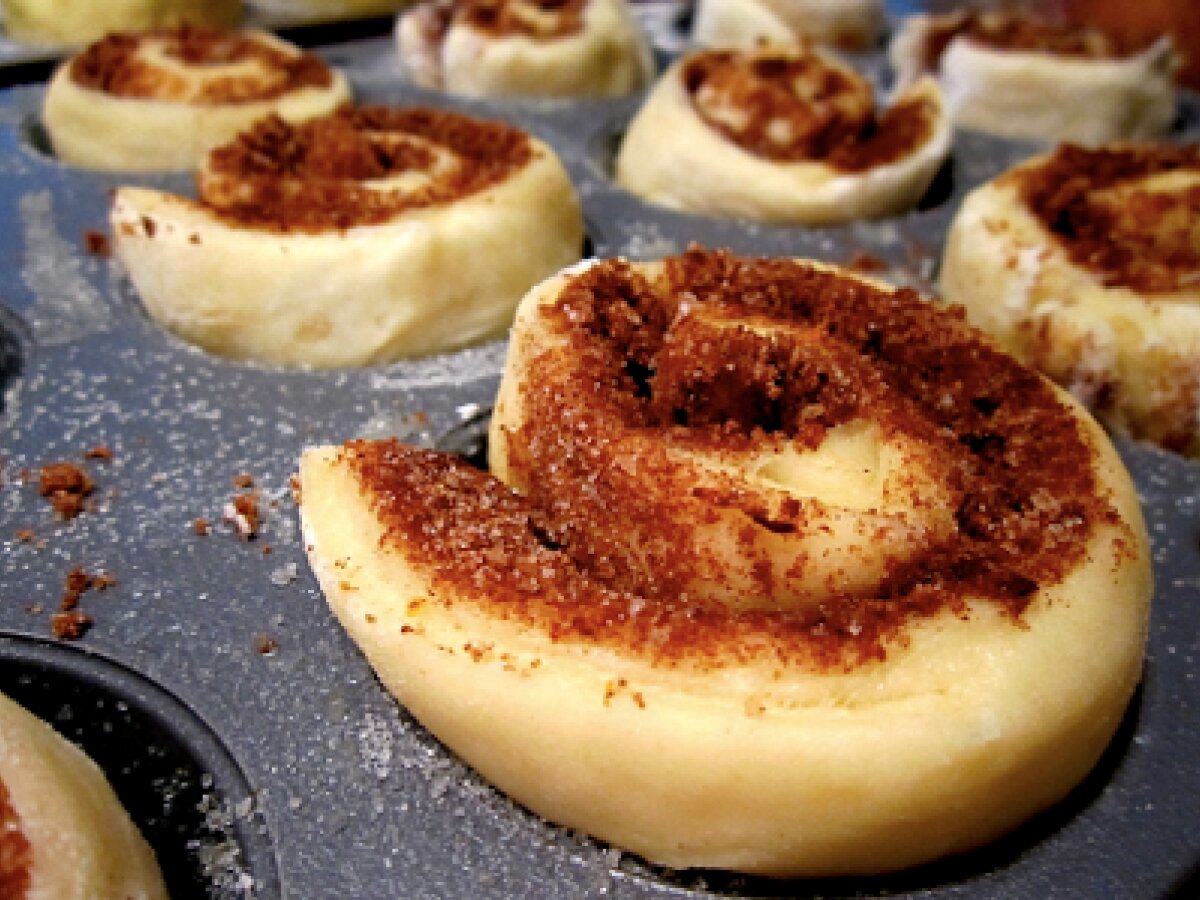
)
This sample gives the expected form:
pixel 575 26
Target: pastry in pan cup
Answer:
pixel 63 832
pixel 504 48
pixel 1085 263
pixel 159 100
pixel 1017 77
pixel 72 23
pixel 781 136
pixel 745 24
pixel 370 235
pixel 657 421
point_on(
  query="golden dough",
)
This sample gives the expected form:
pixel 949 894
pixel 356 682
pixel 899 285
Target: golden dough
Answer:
pixel 577 48
pixel 79 22
pixel 883 727
pixel 738 135
pixel 1019 79
pixel 368 236
pixel 161 100
pixel 63 832
pixel 1085 264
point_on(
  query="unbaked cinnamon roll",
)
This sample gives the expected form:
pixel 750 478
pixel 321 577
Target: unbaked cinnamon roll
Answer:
pixel 784 137
pixel 160 100
pixel 63 832
pixel 78 22
pixel 547 48
pixel 1016 76
pixel 795 573
pixel 1085 263
pixel 746 24
pixel 369 235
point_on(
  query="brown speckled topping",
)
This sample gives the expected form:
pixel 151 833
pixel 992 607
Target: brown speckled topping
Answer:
pixel 1018 463
pixel 538 19
pixel 16 855
pixel 121 65
pixel 329 173
pixel 1101 210
pixel 1012 31
pixel 795 108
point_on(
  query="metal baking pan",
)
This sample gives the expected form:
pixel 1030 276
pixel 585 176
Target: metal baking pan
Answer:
pixel 244 730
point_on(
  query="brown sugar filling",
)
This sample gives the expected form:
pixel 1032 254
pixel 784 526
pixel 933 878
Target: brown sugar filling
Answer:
pixel 537 19
pixel 1011 31
pixel 317 175
pixel 1128 235
pixel 118 65
pixel 1029 501
pixel 16 854
pixel 800 108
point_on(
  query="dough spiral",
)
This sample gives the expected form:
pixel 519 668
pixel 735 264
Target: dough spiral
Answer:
pixel 63 832
pixel 1012 75
pixel 785 136
pixel 159 100
pixel 745 24
pixel 1085 263
pixel 547 48
pixel 870 725
pixel 366 236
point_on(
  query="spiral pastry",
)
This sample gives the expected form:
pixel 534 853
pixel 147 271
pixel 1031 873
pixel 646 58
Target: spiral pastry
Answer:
pixel 746 24
pixel 1085 263
pixel 63 832
pixel 366 236
pixel 159 100
pixel 1016 76
pixel 800 576
pixel 781 136
pixel 71 23
pixel 533 48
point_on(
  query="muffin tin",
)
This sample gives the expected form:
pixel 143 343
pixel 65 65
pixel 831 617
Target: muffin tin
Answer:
pixel 239 724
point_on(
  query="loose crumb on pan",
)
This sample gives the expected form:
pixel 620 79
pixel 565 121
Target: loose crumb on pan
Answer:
pixel 67 486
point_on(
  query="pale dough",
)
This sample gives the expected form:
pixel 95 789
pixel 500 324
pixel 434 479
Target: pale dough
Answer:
pixel 78 22
pixel 745 24
pixel 82 843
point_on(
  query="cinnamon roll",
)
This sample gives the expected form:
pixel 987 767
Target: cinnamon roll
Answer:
pixel 63 832
pixel 1085 263
pixel 795 572
pixel 534 48
pixel 77 22
pixel 746 24
pixel 159 100
pixel 781 136
pixel 1016 76
pixel 369 235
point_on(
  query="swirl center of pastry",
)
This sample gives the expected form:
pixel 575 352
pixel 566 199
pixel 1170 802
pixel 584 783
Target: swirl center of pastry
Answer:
pixel 1129 215
pixel 16 855
pixel 360 166
pixel 196 65
pixel 801 108
pixel 538 19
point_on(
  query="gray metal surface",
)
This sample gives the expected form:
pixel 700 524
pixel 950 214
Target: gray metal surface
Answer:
pixel 240 723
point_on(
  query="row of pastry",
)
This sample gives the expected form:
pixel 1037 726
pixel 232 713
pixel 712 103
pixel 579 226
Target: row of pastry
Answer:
pixel 1083 261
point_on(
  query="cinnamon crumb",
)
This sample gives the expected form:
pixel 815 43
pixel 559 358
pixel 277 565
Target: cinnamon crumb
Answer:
pixel 201 526
pixel 25 535
pixel 99 452
pixel 67 486
pixel 97 243
pixel 265 644
pixel 70 626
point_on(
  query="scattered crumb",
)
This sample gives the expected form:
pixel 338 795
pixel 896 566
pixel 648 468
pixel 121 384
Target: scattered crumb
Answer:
pixel 67 486
pixel 265 644
pixel 243 480
pixel 99 452
pixel 26 535
pixel 97 242
pixel 242 512
pixel 201 526
pixel 70 626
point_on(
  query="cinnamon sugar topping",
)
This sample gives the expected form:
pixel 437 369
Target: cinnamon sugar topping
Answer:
pixel 1105 210
pixel 795 108
pixel 538 19
pixel 344 169
pixel 1000 30
pixel 125 65
pixel 1014 457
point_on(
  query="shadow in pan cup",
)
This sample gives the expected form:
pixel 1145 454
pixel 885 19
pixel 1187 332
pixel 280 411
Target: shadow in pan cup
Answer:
pixel 179 784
